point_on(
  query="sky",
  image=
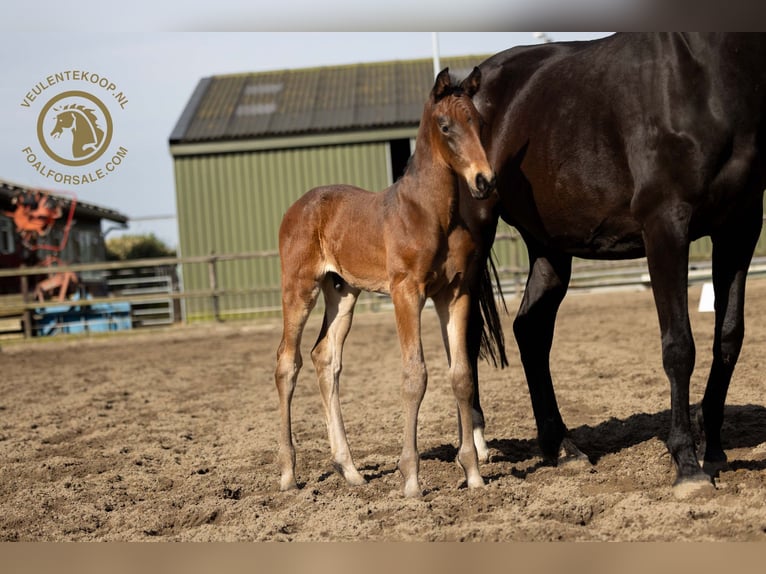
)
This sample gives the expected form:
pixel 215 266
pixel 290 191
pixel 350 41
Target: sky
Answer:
pixel 311 15
pixel 155 72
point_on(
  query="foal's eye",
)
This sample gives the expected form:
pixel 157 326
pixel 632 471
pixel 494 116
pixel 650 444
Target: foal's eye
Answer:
pixel 444 128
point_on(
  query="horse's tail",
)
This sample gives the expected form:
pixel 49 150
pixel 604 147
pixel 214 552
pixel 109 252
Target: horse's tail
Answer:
pixel 492 345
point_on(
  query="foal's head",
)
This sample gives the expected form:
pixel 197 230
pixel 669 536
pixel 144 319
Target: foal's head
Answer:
pixel 454 128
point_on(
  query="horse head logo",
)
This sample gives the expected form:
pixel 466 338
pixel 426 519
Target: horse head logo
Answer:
pixel 77 117
pixel 83 125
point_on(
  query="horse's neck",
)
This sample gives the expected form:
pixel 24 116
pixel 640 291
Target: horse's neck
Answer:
pixel 82 131
pixel 430 182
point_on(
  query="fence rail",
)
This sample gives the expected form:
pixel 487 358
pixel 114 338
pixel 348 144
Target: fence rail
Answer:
pixel 512 271
pixel 24 305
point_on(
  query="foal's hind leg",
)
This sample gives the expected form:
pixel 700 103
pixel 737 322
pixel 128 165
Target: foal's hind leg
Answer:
pixel 298 298
pixel 327 355
pixel 732 252
pixel 453 314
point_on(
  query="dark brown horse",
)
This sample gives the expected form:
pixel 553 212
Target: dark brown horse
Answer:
pixel 631 145
pixel 407 240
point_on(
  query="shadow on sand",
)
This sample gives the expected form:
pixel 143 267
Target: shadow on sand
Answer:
pixel 744 426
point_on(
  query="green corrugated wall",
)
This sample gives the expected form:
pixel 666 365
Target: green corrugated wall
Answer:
pixel 233 203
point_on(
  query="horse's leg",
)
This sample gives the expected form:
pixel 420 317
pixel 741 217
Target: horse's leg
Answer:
pixel 667 251
pixel 482 290
pixel 533 328
pixel 475 324
pixel 408 305
pixel 732 251
pixel 299 295
pixel 453 314
pixel 327 356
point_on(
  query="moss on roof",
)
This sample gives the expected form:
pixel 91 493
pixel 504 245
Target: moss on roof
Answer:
pixel 311 100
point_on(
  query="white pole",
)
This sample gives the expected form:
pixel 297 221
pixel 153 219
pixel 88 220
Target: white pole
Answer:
pixel 435 47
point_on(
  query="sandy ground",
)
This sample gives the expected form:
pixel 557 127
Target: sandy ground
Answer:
pixel 171 436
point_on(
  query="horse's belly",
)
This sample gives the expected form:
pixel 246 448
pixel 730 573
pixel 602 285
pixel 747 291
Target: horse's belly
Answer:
pixel 366 274
pixel 606 247
pixel 573 232
pixel 614 237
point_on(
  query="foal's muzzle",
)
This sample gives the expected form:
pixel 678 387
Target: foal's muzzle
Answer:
pixel 484 186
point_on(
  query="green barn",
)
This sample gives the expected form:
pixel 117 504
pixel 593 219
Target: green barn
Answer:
pixel 247 145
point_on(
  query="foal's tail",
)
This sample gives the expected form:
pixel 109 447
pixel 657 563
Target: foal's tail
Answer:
pixel 492 344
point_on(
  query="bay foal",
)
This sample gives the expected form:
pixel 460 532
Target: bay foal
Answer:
pixel 408 241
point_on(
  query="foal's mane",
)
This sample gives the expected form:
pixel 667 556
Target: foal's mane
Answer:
pixel 453 89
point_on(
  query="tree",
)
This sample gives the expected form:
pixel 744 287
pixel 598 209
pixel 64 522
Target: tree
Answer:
pixel 143 246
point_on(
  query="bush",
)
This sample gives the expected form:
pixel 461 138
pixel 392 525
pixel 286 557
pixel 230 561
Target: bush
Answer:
pixel 137 247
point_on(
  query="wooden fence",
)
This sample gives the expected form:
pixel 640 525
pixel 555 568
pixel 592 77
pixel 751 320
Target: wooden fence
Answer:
pixel 25 306
pixel 511 260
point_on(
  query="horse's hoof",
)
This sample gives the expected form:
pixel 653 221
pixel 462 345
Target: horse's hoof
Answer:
pixel 414 495
pixel 286 484
pixel 475 482
pixel 413 491
pixel 473 477
pixel 572 457
pixel 355 479
pixel 713 467
pixel 695 487
pixel 350 475
pixel 574 463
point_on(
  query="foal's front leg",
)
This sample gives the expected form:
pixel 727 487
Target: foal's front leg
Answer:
pixel 408 305
pixel 453 314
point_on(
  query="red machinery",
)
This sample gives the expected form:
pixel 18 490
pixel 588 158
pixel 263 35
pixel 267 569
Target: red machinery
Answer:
pixel 34 216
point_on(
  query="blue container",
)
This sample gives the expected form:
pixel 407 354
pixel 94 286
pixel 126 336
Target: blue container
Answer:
pixel 98 318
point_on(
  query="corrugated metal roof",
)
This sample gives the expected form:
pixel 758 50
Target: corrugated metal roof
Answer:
pixel 312 100
pixel 8 190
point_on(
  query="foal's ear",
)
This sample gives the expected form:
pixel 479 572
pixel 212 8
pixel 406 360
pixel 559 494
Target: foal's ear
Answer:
pixel 471 84
pixel 442 86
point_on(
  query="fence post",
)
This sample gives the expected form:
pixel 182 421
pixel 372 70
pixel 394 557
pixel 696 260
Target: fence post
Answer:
pixel 213 277
pixel 27 317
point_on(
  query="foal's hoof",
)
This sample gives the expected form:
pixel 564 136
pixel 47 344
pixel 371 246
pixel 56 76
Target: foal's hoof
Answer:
pixel 413 490
pixel 350 474
pixel 354 479
pixel 473 477
pixel 475 482
pixel 287 483
pixel 693 487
